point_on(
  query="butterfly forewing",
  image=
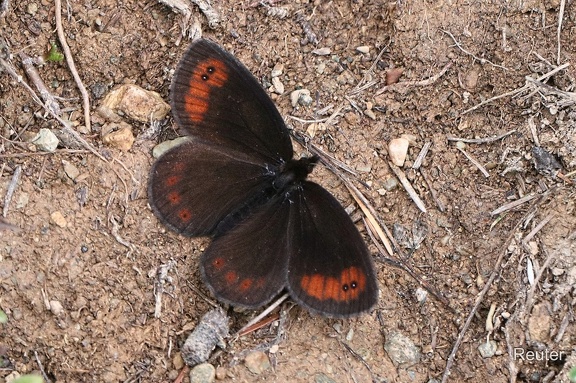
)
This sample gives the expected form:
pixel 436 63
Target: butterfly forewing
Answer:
pixel 246 266
pixel 330 270
pixel 215 98
pixel 194 187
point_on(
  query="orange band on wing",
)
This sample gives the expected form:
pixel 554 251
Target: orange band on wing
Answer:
pixel 207 75
pixel 347 287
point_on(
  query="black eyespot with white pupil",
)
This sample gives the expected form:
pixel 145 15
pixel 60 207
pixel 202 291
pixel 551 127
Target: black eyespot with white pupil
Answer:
pixel 352 285
pixel 210 70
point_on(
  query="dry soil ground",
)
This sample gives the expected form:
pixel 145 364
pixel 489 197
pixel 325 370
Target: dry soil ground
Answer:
pixel 101 326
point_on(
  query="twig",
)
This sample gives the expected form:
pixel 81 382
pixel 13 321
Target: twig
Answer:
pixel 481 140
pixel 404 84
pixel 401 265
pixel 432 190
pixel 5 225
pixel 72 66
pixel 518 90
pixel 208 11
pixel 514 204
pixel 34 76
pixel 560 17
pixel 482 60
pixel 203 296
pixel 422 155
pixel 118 238
pixel 324 157
pixel 308 121
pixel 58 151
pixel 530 296
pixel 46 379
pixel 512 368
pixel 263 314
pixel 161 279
pixel 280 336
pixel 183 372
pixel 364 83
pixel 371 216
pixel 479 299
pixel 538 227
pixel 11 189
pixel 4 5
pixel 408 186
pixel 10 69
pixel 256 326
pixel 373 376
pixel 563 326
pixel 567 98
pixel 475 162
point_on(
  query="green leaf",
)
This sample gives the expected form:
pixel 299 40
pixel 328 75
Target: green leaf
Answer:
pixel 572 374
pixel 28 379
pixel 3 317
pixel 54 55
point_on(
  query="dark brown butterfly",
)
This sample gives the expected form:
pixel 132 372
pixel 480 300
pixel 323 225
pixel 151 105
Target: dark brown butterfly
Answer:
pixel 235 180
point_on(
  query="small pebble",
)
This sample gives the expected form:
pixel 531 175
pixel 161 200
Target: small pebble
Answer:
pixel 58 219
pixel 321 378
pixel 274 349
pixel 401 349
pixel 118 135
pixel 370 114
pixel 257 362
pixel 56 308
pixel 177 361
pixel 350 335
pixel 363 49
pixel 32 8
pixel 71 171
pixel 221 373
pixel 460 145
pixel 412 139
pixel 397 150
pixel 322 51
pixel 421 294
pixel 45 140
pixel 278 86
pixel 364 168
pixel 137 103
pixel 203 373
pixel 300 96
pixel 314 127
pixel 556 271
pixel 487 349
pixel 390 184
pixel 22 200
pixel 338 327
pixel 393 75
pixel 277 71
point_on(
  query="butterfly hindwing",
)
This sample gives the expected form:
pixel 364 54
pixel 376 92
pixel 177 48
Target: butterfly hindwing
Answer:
pixel 246 266
pixel 215 98
pixel 330 270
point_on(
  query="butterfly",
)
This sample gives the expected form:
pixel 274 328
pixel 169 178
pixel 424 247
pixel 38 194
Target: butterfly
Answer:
pixel 235 179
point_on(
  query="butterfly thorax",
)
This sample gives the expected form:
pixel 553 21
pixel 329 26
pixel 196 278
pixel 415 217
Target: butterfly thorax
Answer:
pixel 293 171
